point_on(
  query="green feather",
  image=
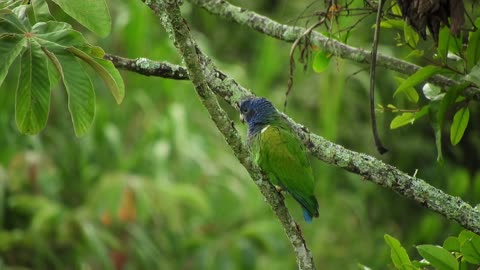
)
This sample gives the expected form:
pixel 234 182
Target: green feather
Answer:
pixel 278 151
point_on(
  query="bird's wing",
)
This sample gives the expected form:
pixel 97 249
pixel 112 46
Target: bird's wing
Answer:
pixel 282 154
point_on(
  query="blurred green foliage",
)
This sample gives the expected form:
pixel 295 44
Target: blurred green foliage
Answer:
pixel 152 185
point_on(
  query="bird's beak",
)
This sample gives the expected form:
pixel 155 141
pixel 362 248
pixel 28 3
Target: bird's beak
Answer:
pixel 242 118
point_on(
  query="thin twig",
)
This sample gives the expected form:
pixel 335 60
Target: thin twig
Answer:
pixel 378 142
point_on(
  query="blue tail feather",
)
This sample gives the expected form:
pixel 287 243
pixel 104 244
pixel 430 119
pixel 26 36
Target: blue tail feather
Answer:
pixel 307 216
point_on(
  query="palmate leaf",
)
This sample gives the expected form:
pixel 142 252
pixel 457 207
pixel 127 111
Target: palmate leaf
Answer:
pixel 10 48
pixel 93 14
pixel 106 70
pixel 56 36
pixel 33 91
pixel 10 23
pixel 41 11
pixel 81 95
pixel 51 51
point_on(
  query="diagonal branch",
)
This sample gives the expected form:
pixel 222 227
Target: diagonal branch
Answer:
pixel 169 13
pixel 288 33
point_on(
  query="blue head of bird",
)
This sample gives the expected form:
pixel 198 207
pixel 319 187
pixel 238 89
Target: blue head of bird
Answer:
pixel 257 112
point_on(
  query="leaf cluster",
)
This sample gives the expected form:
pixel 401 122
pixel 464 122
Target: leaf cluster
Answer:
pixel 49 51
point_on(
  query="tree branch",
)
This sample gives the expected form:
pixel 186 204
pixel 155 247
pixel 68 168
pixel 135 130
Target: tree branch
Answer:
pixel 288 33
pixel 371 169
pixel 149 68
pixel 170 16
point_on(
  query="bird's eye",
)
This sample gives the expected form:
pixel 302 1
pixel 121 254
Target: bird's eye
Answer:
pixel 244 110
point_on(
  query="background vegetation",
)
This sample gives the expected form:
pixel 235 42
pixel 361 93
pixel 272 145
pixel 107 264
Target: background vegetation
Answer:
pixel 152 185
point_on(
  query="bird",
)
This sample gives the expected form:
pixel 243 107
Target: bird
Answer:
pixel 277 149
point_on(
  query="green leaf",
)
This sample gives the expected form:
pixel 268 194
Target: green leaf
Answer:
pixel 402 120
pixel 443 42
pixel 449 99
pixel 420 76
pixel 93 14
pixel 415 54
pixel 396 9
pixel 396 24
pixel 10 48
pixel 33 91
pixel 409 92
pixel 438 257
pixel 470 246
pixel 321 61
pixel 411 37
pixel 10 23
pixel 473 47
pixel 41 11
pixel 106 70
pixel 474 75
pixel 438 110
pixel 81 95
pixel 57 36
pixel 422 112
pixel 398 254
pixel 460 122
pixel 452 244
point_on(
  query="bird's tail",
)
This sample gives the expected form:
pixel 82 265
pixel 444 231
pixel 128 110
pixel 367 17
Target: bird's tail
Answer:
pixel 306 215
pixel 309 207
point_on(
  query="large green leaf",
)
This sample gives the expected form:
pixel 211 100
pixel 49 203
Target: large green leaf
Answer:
pixel 41 11
pixel 473 48
pixel 452 244
pixel 81 95
pixel 33 91
pixel 9 23
pixel 93 14
pixel 10 48
pixel 447 43
pixel 106 70
pixel 57 36
pixel 411 37
pixel 459 124
pixel 420 76
pixel 438 257
pixel 398 254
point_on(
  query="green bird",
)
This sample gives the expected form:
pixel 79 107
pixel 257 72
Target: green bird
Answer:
pixel 277 149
